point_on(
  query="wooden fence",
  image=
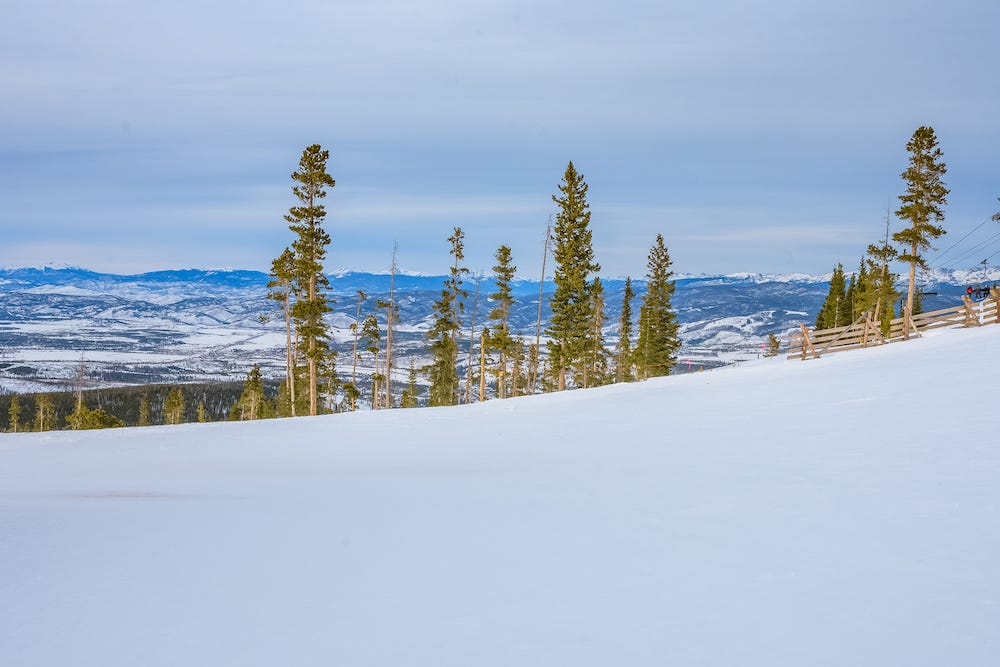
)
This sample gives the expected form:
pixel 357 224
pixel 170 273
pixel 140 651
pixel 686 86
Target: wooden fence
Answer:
pixel 865 331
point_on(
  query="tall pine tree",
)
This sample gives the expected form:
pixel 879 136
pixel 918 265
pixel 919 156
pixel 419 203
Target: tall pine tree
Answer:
pixel 921 206
pixel 503 299
pixel 832 312
pixel 250 405
pixel 444 333
pixel 282 288
pixel 624 364
pixel 659 339
pixel 595 361
pixel 306 220
pixel 571 303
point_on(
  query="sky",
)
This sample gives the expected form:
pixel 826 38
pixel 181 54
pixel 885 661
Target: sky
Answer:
pixel 762 137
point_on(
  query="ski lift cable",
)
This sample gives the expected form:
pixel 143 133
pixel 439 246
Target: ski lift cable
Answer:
pixel 940 256
pixel 976 249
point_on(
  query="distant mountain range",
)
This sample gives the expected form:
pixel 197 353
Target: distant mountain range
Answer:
pixel 192 324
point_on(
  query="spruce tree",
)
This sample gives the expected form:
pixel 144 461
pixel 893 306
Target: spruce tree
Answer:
pixel 444 332
pixel 595 362
pixel 921 206
pixel 144 412
pixel 659 339
pixel 83 418
pixel 410 395
pixel 250 405
pixel 371 337
pixel 832 311
pixel 883 281
pixel 174 406
pixel 624 364
pixel 503 300
pixel 282 288
pixel 571 304
pixel 14 414
pixel 306 220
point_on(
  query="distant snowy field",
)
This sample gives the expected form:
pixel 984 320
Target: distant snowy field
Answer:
pixel 843 511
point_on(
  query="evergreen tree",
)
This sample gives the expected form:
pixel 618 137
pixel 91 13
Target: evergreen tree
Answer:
pixel 624 365
pixel 174 406
pixel 831 313
pixel 883 293
pixel 202 416
pixel 14 414
pixel 85 419
pixel 45 413
pixel 144 412
pixel 921 206
pixel 250 406
pixel 571 304
pixel 371 337
pixel 773 345
pixel 503 300
pixel 594 369
pixel 518 368
pixel 309 249
pixel 659 339
pixel 282 288
pixel 444 332
pixel 412 391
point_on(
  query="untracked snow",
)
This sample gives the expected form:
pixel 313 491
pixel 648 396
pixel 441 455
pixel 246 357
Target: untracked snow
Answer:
pixel 842 511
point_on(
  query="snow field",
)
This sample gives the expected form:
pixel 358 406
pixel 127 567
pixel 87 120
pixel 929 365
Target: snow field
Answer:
pixel 842 511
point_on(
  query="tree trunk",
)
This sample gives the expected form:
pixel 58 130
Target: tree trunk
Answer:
pixel 541 292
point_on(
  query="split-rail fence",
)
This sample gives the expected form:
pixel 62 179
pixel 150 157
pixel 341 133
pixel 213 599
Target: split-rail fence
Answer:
pixel 866 332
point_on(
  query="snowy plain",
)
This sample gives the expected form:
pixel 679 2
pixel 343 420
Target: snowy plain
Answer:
pixel 840 511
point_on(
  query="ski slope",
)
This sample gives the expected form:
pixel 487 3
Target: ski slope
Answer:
pixel 842 511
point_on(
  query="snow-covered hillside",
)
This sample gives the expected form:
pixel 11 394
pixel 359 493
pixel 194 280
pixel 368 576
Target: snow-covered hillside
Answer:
pixel 843 511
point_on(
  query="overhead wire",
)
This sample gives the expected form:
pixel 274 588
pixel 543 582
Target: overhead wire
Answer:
pixel 984 246
pixel 940 257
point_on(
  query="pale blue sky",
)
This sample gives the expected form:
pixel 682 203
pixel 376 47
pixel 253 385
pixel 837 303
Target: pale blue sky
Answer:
pixel 754 136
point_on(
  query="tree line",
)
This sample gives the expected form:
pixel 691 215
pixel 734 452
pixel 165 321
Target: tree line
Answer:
pixel 575 352
pixel 148 405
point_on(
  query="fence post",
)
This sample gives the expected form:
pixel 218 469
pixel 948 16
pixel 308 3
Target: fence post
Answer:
pixel 971 319
pixel 806 343
pixel 908 324
pixel 872 327
pixel 995 293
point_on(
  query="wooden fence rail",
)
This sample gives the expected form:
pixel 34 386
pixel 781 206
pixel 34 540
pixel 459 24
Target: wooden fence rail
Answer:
pixel 866 332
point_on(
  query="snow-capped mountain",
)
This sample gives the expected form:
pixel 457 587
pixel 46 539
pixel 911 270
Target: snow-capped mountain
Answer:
pixel 192 324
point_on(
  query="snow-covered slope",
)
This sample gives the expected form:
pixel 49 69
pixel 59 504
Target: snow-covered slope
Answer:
pixel 843 511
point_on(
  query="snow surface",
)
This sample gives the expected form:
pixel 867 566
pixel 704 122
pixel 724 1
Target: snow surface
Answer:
pixel 842 511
